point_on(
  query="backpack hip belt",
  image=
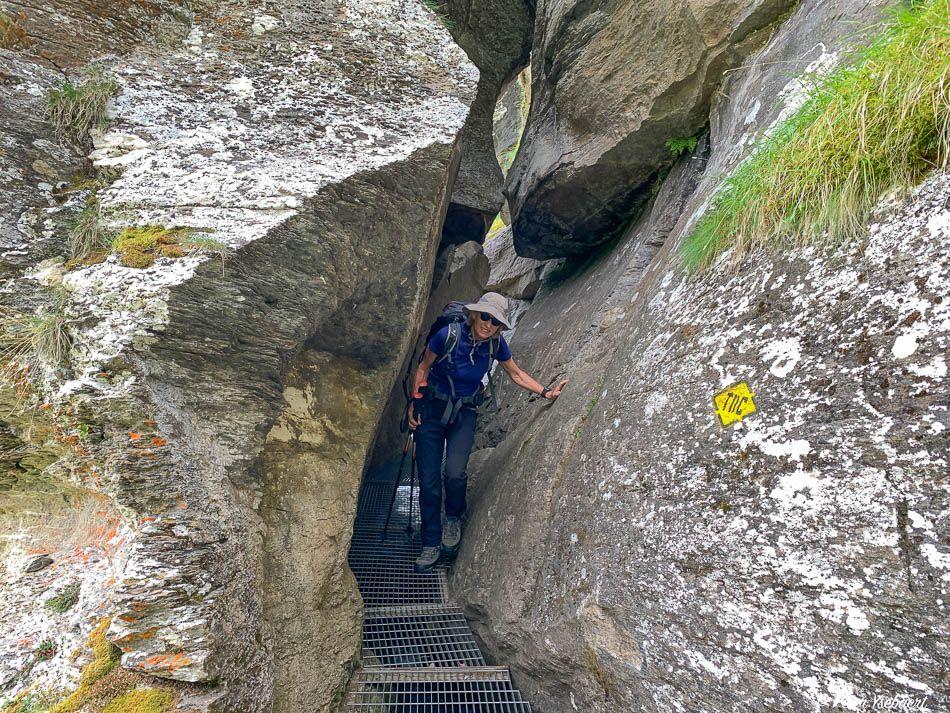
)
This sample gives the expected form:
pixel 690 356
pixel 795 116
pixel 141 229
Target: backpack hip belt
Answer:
pixel 452 404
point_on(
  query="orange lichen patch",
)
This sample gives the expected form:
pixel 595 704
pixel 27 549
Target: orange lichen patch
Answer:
pixel 167 662
pixel 182 505
pixel 138 606
pixel 133 436
pixel 158 441
pixel 150 422
pixel 137 636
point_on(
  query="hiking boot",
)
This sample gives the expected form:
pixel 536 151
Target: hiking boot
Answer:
pixel 451 535
pixel 427 560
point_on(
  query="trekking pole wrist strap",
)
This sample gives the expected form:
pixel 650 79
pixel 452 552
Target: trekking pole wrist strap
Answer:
pixel 544 392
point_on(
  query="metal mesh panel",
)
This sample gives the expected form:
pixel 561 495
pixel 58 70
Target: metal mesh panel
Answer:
pixel 383 569
pixel 420 655
pixel 419 636
pixel 475 690
pixel 374 503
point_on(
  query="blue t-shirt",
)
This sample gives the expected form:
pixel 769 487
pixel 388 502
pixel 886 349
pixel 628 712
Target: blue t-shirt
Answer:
pixel 467 365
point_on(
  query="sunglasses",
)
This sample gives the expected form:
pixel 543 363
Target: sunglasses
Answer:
pixel 485 317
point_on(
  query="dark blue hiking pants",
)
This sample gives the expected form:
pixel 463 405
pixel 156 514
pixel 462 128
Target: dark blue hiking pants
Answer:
pixel 431 438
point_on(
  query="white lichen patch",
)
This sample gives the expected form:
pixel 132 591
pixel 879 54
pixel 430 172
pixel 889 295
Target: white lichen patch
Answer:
pixel 233 141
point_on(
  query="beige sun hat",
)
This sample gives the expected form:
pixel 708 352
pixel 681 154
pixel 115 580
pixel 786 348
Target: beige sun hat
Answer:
pixel 495 304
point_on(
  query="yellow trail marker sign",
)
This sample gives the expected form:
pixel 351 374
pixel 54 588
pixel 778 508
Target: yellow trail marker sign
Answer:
pixel 734 403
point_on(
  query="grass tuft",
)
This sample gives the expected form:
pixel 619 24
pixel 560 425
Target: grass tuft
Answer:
pixel 438 9
pixel 87 243
pixel 878 123
pixel 27 340
pixel 76 109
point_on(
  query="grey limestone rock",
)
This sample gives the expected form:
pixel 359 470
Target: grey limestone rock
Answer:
pixel 612 82
pixel 236 399
pixel 624 552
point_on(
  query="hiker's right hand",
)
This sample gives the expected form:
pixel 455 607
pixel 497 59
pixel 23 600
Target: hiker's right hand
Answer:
pixel 413 421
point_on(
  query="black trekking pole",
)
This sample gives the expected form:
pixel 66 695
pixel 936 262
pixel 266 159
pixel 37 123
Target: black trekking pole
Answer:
pixel 392 498
pixel 412 487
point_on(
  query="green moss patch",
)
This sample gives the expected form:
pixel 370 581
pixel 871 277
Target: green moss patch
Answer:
pixel 65 600
pixel 105 657
pixel 140 246
pixel 142 700
pixel 878 123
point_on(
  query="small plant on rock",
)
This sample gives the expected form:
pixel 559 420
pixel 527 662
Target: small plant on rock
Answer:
pixel 680 146
pixel 76 109
pixel 438 9
pixel 45 650
pixel 87 242
pixel 65 600
pixel 26 340
pixel 12 34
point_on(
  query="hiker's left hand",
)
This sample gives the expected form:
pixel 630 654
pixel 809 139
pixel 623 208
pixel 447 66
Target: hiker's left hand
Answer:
pixel 556 391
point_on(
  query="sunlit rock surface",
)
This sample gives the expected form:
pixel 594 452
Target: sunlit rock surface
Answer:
pixel 314 144
pixel 624 552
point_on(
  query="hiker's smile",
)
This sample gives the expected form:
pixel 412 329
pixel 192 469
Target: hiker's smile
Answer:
pixel 484 329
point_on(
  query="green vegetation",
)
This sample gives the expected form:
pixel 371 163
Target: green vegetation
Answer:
pixel 140 246
pixel 438 8
pixel 75 109
pixel 496 227
pixel 65 600
pixel 87 243
pixel 28 339
pixel 31 702
pixel 682 145
pixel 105 658
pixel 12 34
pixel 46 649
pixel 878 123
pixel 141 700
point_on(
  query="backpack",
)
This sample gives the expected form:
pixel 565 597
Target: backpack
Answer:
pixel 453 316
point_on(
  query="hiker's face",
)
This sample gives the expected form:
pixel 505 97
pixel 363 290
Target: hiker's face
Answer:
pixel 484 329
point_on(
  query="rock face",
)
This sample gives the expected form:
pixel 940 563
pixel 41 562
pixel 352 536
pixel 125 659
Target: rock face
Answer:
pixel 612 82
pixel 516 277
pixel 237 399
pixel 624 552
pixel 496 35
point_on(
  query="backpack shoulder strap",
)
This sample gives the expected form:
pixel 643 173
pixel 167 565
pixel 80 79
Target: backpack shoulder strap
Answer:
pixel 451 339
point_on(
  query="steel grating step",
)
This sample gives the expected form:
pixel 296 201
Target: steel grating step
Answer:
pixel 419 654
pixel 384 571
pixel 373 504
pixel 418 636
pixel 482 689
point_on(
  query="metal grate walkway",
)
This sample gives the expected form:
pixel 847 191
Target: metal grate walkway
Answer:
pixel 419 654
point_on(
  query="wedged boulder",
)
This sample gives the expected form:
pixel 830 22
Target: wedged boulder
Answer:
pixel 496 35
pixel 624 552
pixel 516 277
pixel 612 82
pixel 236 388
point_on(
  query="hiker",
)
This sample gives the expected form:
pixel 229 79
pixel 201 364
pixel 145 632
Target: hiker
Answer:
pixel 446 390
